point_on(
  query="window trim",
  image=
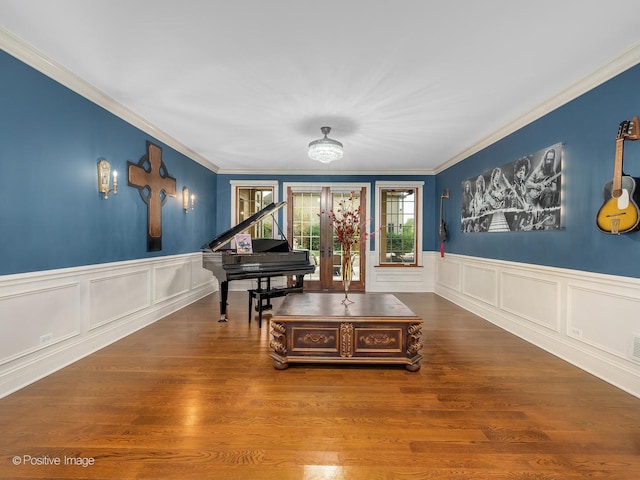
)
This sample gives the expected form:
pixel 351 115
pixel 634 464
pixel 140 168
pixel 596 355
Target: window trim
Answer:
pixel 418 186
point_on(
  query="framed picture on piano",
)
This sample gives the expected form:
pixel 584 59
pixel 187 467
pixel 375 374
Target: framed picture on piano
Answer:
pixel 243 243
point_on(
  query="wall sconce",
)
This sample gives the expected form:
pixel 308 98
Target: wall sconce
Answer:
pixel 104 179
pixel 188 202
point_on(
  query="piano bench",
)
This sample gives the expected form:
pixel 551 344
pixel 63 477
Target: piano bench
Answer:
pixel 262 295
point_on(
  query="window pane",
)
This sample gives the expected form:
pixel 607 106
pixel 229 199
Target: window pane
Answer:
pixel 350 201
pixel 306 226
pixel 251 200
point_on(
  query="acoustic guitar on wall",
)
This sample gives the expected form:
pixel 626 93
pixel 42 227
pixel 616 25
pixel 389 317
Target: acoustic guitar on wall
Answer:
pixel 619 213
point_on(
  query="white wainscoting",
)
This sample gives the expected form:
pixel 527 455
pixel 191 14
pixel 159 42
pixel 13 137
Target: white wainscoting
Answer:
pixel 589 320
pixel 52 318
pixel 399 278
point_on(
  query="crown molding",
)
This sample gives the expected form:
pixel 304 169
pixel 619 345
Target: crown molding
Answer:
pixel 395 173
pixel 27 54
pixel 619 64
pixel 30 56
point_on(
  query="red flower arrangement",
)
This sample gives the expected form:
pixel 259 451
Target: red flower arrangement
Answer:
pixel 347 222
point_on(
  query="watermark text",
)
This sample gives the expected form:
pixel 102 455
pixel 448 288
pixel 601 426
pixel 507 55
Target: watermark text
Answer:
pixel 46 460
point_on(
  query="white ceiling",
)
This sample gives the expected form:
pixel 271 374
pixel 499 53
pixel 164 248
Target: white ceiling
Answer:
pixel 406 85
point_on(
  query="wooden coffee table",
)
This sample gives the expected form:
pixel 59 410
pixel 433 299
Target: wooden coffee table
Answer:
pixel 316 328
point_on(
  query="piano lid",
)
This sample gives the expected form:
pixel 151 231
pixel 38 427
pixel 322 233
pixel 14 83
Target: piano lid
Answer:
pixel 221 240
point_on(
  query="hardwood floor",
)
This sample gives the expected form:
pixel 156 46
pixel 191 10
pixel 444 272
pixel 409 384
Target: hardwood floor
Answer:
pixel 191 398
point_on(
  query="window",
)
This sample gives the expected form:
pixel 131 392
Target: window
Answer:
pixel 248 199
pixel 398 241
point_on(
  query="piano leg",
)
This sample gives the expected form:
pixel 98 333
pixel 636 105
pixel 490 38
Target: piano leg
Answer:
pixel 224 294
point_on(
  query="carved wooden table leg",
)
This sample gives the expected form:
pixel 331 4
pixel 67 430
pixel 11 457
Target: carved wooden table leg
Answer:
pixel 278 345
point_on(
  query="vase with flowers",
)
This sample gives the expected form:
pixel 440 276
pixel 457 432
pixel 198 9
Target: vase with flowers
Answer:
pixel 349 228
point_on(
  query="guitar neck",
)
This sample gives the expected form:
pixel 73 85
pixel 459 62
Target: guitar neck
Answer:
pixel 617 169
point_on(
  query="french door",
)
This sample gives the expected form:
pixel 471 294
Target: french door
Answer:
pixel 309 228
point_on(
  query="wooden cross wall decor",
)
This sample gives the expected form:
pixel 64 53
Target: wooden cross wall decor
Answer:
pixel 154 185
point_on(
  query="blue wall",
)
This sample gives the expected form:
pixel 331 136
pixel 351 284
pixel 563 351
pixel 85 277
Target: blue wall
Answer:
pixel 224 191
pixel 587 126
pixel 51 214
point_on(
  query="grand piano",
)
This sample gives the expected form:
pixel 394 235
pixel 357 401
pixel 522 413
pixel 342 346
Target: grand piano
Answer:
pixel 271 257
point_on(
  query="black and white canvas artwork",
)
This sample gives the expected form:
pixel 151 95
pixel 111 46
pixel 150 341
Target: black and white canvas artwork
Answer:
pixel 522 195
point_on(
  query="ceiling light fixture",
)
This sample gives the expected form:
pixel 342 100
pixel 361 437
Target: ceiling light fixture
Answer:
pixel 325 150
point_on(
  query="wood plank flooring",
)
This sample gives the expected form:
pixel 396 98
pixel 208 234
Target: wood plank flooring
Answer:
pixel 191 398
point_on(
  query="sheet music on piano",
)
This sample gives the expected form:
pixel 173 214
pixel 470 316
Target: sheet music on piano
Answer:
pixel 243 243
pixel 271 257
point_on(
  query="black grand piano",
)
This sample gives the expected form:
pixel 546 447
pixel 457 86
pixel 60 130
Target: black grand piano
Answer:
pixel 271 257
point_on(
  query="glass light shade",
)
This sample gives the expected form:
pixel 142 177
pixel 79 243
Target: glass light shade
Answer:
pixel 326 149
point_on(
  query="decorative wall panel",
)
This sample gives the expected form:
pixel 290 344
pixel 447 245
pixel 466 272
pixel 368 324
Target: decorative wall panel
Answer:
pixel 116 296
pixel 604 319
pixel 531 298
pixel 449 274
pixel 37 319
pixel 480 283
pixel 171 280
